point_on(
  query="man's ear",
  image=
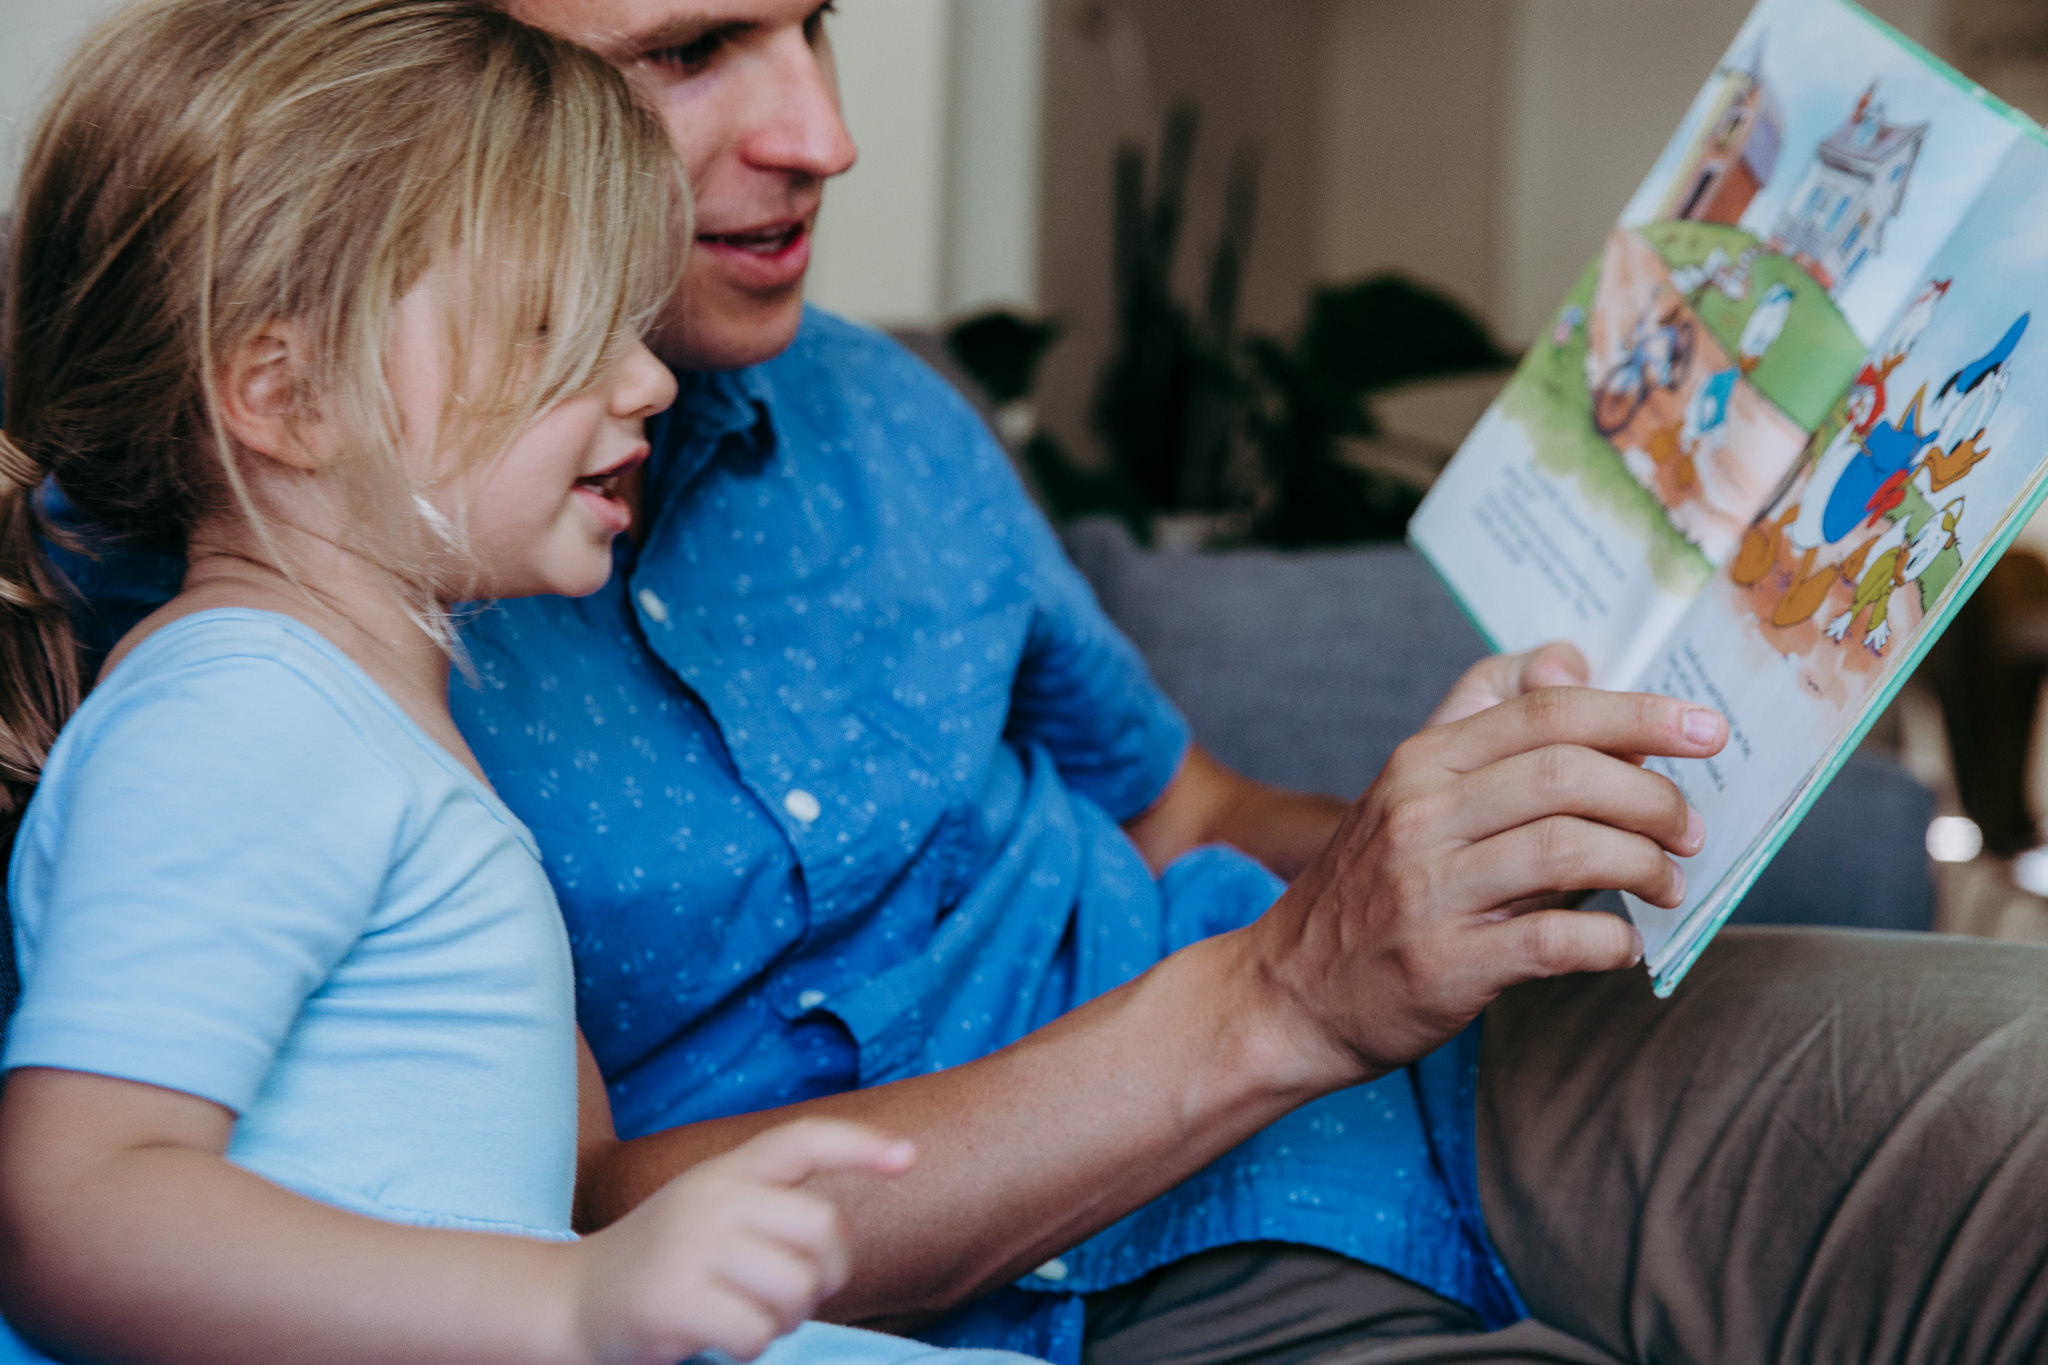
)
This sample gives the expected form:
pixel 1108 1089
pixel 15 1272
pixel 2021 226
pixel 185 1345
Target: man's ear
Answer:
pixel 263 402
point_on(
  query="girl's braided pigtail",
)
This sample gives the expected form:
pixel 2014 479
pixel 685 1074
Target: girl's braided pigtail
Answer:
pixel 38 654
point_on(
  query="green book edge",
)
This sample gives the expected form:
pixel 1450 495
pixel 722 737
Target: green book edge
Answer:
pixel 1451 588
pixel 1948 73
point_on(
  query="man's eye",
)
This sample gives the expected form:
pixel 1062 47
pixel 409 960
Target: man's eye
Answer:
pixel 687 58
pixel 814 27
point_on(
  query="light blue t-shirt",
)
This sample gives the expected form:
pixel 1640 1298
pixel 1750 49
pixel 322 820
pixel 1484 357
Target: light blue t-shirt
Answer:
pixel 249 876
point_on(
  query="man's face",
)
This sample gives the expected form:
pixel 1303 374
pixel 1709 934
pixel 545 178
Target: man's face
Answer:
pixel 751 101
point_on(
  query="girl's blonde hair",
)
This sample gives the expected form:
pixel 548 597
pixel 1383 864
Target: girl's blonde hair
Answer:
pixel 209 168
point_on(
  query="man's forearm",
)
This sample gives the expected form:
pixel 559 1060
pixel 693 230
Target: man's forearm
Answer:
pixel 1207 803
pixel 1032 1149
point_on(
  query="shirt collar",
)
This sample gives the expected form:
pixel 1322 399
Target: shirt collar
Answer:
pixel 715 412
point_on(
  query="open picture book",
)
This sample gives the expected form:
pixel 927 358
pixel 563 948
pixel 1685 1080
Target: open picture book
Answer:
pixel 1780 427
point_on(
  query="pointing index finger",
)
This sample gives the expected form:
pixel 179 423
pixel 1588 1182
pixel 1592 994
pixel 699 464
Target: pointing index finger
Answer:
pixel 790 1154
pixel 1625 724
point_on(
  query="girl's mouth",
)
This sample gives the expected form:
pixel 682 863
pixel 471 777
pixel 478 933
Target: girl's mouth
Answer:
pixel 603 492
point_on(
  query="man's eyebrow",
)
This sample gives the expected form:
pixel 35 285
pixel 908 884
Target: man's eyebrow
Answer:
pixel 679 29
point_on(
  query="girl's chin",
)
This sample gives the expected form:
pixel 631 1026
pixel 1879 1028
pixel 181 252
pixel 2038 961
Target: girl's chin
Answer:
pixel 567 579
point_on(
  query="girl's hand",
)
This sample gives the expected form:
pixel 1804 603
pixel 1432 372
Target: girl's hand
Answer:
pixel 730 1254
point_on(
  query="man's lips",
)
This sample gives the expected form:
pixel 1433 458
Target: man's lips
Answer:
pixel 767 256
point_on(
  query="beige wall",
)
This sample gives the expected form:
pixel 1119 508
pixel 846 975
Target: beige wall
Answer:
pixel 35 38
pixel 1250 64
pixel 940 214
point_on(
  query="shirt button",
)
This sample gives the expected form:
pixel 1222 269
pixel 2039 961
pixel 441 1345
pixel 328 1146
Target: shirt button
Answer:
pixel 810 1000
pixel 802 806
pixel 1054 1271
pixel 651 603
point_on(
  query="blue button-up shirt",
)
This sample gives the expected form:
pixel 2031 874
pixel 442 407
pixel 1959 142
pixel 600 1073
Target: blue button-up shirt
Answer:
pixel 829 779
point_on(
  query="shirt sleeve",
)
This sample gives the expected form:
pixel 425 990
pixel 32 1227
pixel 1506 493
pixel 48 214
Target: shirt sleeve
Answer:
pixel 1083 690
pixel 198 860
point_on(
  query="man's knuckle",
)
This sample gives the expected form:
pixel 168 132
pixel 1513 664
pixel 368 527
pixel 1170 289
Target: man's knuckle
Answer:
pixel 1657 718
pixel 1412 820
pixel 1411 886
pixel 1553 942
pixel 1677 813
pixel 1415 753
pixel 1549 711
pixel 1555 777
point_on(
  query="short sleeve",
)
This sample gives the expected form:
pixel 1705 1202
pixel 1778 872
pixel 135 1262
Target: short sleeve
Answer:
pixel 205 847
pixel 1082 689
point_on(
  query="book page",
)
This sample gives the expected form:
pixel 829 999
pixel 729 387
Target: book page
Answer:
pixel 1910 487
pixel 1786 225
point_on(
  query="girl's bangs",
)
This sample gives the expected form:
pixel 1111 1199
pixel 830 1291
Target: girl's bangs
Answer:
pixel 574 256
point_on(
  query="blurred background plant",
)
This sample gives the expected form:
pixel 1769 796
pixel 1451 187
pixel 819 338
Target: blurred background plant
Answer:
pixel 1248 437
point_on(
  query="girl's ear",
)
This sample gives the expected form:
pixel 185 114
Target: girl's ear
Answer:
pixel 263 403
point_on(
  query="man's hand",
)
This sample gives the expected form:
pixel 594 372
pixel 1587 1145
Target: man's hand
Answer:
pixel 1504 677
pixel 1416 915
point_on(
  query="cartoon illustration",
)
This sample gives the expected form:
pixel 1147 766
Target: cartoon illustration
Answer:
pixel 1964 404
pixel 1885 474
pixel 1569 319
pixel 1894 566
pixel 1736 150
pixel 1855 185
pixel 1765 325
pixel 1719 272
pixel 1658 355
pixel 1899 341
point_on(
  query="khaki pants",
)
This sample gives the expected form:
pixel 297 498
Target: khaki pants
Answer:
pixel 1828 1146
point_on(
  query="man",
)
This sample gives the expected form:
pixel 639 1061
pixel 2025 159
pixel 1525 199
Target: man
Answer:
pixel 856 804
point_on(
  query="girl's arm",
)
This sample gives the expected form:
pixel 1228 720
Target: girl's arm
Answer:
pixel 125 1235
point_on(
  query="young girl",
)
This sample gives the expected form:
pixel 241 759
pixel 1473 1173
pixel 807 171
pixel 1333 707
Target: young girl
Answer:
pixel 340 299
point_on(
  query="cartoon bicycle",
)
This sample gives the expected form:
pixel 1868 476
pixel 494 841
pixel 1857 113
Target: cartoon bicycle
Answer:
pixel 1659 354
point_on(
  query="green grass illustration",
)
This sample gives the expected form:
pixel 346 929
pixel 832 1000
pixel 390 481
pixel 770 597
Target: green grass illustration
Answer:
pixel 1549 399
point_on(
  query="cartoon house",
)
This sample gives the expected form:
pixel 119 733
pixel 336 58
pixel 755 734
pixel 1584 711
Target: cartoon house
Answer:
pixel 1736 149
pixel 1836 217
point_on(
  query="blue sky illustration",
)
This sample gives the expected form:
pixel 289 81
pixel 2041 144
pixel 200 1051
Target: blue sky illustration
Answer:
pixel 1818 57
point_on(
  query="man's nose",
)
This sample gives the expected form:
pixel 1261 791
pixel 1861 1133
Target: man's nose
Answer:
pixel 800 128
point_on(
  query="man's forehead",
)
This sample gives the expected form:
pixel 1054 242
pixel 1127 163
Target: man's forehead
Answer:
pixel 622 26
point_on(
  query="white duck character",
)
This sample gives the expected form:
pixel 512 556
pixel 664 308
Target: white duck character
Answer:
pixel 1766 321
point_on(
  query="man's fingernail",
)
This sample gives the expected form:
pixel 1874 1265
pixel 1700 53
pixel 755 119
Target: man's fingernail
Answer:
pixel 1695 828
pixel 1701 726
pixel 1637 934
pixel 1678 878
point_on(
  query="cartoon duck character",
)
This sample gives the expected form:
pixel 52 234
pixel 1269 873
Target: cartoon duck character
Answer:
pixel 1765 323
pixel 1963 407
pixel 1702 427
pixel 1898 343
pixel 1873 481
pixel 1864 407
pixel 1894 566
